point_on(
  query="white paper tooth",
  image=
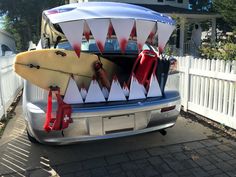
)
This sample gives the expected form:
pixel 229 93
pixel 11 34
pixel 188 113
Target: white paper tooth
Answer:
pixel 72 95
pixel 125 90
pixel 116 92
pixel 136 91
pixel 83 92
pixel 143 28
pixel 73 31
pixel 153 33
pixel 164 32
pixel 94 93
pixel 99 29
pixel 143 88
pixel 154 88
pixel 122 28
pixel 105 92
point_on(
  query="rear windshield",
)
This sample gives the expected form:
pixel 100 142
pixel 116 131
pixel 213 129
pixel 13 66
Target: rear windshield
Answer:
pixel 111 46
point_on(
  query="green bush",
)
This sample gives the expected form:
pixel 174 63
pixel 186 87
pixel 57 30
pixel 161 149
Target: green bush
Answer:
pixel 225 49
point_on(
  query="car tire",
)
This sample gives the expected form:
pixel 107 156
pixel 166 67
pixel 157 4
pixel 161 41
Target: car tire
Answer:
pixel 32 139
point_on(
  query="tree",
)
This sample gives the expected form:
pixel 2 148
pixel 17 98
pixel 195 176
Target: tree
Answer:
pixel 22 18
pixel 227 8
pixel 201 5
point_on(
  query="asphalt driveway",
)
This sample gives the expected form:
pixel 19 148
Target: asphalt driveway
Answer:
pixel 188 149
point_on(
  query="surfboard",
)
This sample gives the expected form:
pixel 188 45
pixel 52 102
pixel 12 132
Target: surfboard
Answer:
pixel 54 67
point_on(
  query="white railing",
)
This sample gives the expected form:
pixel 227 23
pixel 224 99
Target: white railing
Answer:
pixel 10 83
pixel 208 87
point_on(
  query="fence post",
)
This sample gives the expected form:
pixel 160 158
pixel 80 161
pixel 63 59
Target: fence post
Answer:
pixel 1 94
pixel 186 83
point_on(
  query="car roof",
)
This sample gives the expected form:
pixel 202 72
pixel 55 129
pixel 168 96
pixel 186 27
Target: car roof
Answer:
pixel 101 10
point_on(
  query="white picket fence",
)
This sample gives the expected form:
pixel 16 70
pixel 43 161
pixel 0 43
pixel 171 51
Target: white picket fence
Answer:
pixel 208 88
pixel 10 83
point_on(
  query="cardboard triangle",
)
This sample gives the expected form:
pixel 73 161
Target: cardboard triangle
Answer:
pixel 122 28
pixel 94 93
pixel 164 32
pixel 86 31
pixel 152 34
pixel 83 92
pixel 143 88
pixel 125 89
pixel 136 91
pixel 73 31
pixel 116 92
pixel 154 88
pixel 143 29
pixel 72 95
pixel 105 92
pixel 99 29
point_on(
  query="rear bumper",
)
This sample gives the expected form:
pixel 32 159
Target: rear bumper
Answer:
pixel 109 121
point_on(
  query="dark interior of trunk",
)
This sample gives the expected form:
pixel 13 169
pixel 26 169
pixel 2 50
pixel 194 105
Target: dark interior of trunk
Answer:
pixel 125 64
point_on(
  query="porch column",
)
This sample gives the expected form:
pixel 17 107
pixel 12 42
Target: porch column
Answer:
pixel 181 39
pixel 213 33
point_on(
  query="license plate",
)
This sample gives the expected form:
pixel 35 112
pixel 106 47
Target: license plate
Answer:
pixel 118 123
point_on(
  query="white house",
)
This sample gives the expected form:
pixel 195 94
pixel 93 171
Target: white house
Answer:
pixel 176 8
pixel 7 43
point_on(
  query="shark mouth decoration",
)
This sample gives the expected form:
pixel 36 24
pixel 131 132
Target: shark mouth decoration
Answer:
pixel 99 20
pixel 125 29
pixel 105 20
pixel 96 94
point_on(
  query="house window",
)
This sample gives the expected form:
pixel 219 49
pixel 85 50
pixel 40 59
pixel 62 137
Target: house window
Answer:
pixel 159 0
pixel 180 1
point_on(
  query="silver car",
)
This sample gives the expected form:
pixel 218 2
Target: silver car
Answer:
pixel 96 121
